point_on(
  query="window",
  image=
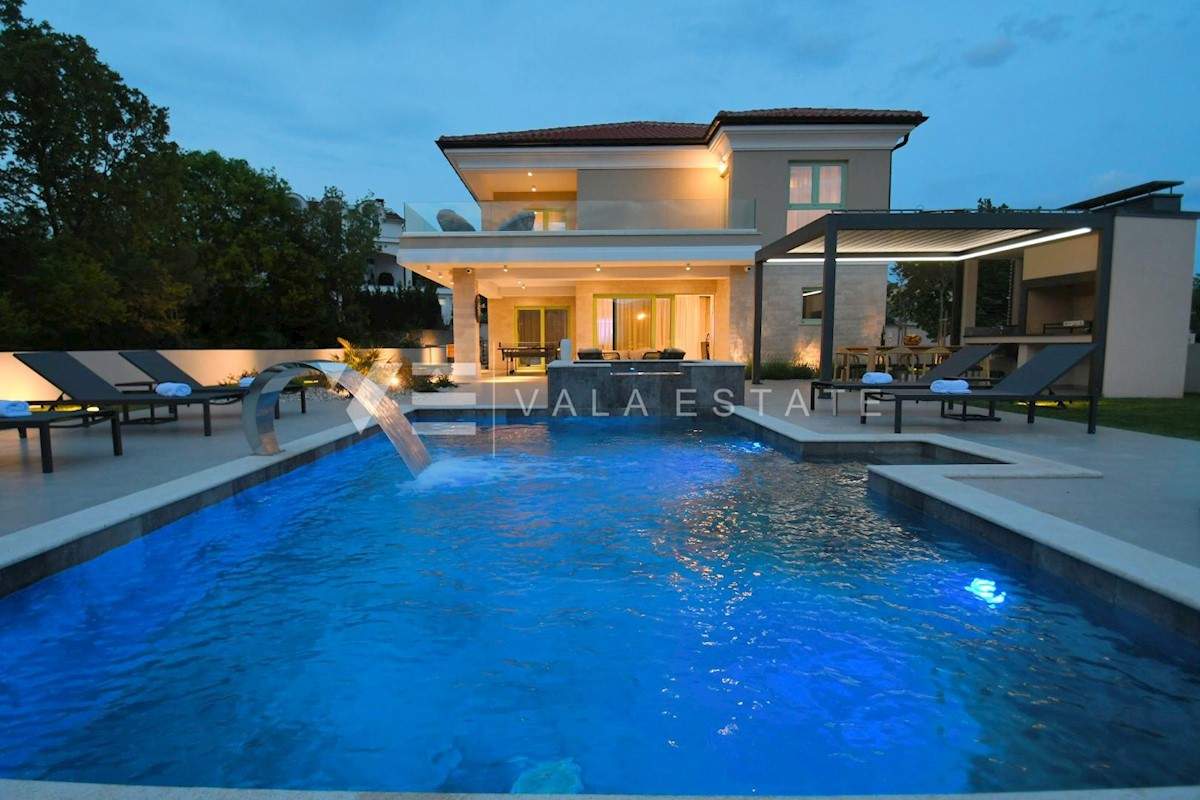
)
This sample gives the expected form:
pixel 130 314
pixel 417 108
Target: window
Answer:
pixel 812 304
pixel 813 189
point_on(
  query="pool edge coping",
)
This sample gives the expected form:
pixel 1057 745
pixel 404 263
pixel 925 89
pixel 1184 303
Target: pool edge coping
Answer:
pixel 57 790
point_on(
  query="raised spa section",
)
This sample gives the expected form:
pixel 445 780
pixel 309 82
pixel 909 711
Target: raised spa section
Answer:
pixel 649 387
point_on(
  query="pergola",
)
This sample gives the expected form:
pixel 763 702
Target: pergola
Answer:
pixel 849 237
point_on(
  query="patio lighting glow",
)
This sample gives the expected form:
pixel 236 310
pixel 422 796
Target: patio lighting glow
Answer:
pixel 883 257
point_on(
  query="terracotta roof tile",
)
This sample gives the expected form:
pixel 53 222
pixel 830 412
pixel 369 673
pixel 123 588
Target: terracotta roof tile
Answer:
pixel 820 116
pixel 651 133
pixel 610 133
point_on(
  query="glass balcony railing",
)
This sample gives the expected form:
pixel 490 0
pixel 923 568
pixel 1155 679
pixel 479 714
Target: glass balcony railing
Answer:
pixel 464 216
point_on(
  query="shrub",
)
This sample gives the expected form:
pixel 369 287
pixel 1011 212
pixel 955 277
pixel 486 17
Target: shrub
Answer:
pixel 777 368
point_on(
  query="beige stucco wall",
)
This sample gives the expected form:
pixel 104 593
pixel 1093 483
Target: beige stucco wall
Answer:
pixel 650 199
pixel 763 176
pixel 1061 258
pixel 210 367
pixel 650 184
pixel 1150 307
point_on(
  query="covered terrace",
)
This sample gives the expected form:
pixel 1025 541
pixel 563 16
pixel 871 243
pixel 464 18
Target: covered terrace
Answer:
pixel 841 240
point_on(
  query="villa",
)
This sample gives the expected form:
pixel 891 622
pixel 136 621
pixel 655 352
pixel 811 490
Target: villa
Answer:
pixel 638 236
pixel 642 235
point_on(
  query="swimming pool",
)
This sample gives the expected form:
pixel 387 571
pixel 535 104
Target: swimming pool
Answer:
pixel 605 606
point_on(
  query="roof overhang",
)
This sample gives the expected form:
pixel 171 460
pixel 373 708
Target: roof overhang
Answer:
pixel 883 236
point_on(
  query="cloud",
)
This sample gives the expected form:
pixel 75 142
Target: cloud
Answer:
pixel 990 54
pixel 1046 29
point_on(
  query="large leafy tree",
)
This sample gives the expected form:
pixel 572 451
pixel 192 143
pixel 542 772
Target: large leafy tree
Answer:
pixel 239 229
pixel 337 238
pixel 922 293
pixel 87 184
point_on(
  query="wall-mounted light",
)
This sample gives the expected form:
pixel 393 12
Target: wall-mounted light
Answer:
pixel 506 267
pixel 530 174
pixel 810 294
pixel 688 268
pixel 533 189
pixel 597 268
pixel 723 167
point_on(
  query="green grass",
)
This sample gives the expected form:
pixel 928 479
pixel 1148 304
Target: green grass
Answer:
pixel 1178 418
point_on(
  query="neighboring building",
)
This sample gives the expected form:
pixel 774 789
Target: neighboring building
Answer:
pixel 384 272
pixel 642 235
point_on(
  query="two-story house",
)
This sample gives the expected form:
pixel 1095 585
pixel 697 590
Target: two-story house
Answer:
pixel 638 236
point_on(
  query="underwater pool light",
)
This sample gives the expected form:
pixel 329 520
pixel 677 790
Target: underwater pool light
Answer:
pixel 986 590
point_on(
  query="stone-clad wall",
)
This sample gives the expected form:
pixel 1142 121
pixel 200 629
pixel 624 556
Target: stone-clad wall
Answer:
pixel 643 388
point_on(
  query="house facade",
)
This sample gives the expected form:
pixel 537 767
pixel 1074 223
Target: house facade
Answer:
pixel 638 236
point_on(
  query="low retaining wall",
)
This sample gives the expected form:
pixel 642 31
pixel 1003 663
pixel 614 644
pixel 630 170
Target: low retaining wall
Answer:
pixel 657 388
pixel 19 382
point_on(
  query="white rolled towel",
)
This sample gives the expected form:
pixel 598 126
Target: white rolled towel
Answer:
pixel 169 389
pixel 950 387
pixel 14 408
pixel 244 382
pixel 877 378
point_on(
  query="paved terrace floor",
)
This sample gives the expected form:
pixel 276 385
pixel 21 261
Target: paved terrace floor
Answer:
pixel 1149 494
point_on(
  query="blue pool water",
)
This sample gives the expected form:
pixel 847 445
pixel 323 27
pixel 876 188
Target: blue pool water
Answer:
pixel 598 608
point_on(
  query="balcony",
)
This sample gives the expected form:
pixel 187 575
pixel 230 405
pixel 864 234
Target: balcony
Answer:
pixel 556 216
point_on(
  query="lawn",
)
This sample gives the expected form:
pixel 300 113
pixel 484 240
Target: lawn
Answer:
pixel 1178 418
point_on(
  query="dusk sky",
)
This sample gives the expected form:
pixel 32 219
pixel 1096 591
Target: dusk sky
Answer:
pixel 1030 104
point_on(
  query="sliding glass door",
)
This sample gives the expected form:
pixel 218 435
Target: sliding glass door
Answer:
pixel 633 325
pixel 540 326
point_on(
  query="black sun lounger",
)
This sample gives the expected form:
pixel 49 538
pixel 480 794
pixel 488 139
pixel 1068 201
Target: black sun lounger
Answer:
pixel 162 370
pixel 959 362
pixel 1030 382
pixel 45 420
pixel 85 387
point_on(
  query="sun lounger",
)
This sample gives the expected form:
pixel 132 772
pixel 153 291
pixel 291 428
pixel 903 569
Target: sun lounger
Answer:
pixel 86 388
pixel 45 420
pixel 1030 382
pixel 162 370
pixel 956 365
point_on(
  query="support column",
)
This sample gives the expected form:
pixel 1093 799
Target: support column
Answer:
pixel 829 290
pixel 1104 266
pixel 466 327
pixel 756 360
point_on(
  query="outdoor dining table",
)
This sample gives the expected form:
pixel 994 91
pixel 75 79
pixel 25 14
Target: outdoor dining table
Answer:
pixel 884 358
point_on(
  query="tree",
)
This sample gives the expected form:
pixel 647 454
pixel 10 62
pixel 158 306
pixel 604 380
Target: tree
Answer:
pixel 923 296
pixel 323 293
pixel 87 185
pixel 923 292
pixel 239 238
